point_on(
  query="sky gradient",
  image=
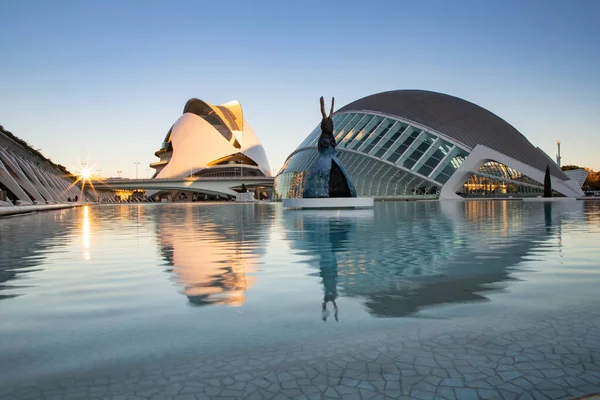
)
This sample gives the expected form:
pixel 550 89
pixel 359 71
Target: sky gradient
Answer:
pixel 104 81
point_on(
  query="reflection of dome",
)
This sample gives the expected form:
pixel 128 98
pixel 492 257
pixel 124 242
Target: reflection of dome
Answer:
pixel 406 143
pixel 210 140
pixel 419 254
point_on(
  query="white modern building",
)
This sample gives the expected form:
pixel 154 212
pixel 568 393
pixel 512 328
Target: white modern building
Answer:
pixel 211 141
pixel 418 144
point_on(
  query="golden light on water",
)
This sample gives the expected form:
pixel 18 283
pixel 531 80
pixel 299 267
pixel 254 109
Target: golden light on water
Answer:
pixel 86 233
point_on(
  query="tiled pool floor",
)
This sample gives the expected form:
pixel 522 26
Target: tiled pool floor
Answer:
pixel 530 355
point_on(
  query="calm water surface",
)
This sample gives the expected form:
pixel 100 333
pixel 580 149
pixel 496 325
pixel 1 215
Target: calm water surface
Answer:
pixel 106 286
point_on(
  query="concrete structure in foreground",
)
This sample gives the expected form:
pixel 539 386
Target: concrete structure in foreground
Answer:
pixel 415 143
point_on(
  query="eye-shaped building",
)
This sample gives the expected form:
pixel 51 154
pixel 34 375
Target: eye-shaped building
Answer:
pixel 211 141
pixel 416 143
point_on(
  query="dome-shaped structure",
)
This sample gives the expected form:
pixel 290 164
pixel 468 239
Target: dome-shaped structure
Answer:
pixel 209 140
pixel 458 119
pixel 407 143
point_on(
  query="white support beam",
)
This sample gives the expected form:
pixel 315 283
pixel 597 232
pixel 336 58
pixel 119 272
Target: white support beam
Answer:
pixel 482 154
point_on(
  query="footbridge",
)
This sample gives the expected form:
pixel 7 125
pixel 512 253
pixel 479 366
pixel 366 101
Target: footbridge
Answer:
pixel 212 185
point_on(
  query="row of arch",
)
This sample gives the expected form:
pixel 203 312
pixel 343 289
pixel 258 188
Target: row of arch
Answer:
pixel 29 182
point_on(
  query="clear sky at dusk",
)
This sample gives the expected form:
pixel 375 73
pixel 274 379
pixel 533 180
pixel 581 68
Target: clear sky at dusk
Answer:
pixel 105 80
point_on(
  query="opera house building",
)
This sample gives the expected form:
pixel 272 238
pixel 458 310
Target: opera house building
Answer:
pixel 422 144
pixel 211 141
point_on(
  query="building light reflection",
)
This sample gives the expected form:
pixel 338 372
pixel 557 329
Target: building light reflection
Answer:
pixel 86 233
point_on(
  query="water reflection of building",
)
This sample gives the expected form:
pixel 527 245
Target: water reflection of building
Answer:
pixel 413 255
pixel 211 250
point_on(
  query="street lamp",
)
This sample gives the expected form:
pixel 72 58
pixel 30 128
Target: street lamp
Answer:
pixel 137 163
pixel 147 170
pixel 119 172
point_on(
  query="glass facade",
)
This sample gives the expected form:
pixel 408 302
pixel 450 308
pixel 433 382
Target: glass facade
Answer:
pixel 494 179
pixel 387 157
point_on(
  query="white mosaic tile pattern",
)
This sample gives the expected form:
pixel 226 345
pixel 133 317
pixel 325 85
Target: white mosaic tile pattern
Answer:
pixel 539 356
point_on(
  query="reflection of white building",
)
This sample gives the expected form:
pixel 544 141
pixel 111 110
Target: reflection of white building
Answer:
pixel 227 243
pixel 211 141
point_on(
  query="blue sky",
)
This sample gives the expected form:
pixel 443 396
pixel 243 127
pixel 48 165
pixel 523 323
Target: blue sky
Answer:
pixel 104 80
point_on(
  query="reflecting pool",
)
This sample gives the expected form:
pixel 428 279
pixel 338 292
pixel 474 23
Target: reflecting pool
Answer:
pixel 101 286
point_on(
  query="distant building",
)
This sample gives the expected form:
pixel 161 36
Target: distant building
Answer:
pixel 211 141
pixel 419 144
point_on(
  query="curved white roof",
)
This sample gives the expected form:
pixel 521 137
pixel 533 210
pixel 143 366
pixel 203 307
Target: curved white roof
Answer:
pixel 205 133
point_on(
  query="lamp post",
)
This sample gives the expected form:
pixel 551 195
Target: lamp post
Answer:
pixel 119 172
pixel 147 170
pixel 137 163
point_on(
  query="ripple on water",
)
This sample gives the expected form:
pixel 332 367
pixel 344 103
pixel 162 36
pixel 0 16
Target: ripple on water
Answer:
pixel 118 284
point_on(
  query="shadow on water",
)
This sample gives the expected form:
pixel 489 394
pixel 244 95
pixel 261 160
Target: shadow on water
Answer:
pixel 403 257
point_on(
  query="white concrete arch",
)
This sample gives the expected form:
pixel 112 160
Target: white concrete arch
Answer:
pixel 42 178
pixel 8 181
pixel 482 154
pixel 34 179
pixel 20 176
pixel 59 186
